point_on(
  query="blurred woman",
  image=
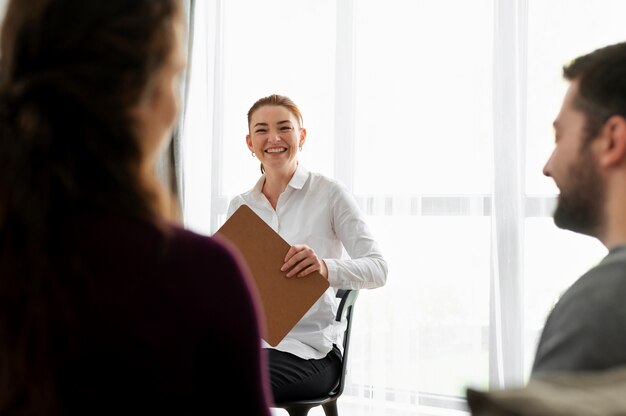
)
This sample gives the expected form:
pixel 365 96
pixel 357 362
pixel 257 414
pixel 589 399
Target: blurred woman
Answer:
pixel 107 306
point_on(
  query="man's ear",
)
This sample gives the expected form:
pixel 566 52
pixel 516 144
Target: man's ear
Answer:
pixel 613 142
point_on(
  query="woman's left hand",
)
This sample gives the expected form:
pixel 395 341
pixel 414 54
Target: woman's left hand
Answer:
pixel 301 260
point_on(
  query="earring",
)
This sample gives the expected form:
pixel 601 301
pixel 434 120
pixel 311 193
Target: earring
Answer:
pixel 300 148
pixel 252 153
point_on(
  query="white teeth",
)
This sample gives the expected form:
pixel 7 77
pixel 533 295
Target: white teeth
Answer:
pixel 276 150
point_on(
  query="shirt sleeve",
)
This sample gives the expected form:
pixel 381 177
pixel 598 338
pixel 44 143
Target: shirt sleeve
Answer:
pixel 366 268
pixel 233 205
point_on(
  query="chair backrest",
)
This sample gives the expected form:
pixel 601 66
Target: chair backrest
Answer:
pixel 346 308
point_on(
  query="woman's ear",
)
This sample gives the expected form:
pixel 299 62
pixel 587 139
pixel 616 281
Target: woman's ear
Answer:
pixel 613 142
pixel 249 142
pixel 302 136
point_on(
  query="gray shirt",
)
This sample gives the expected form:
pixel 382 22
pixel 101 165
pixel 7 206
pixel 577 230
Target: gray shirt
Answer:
pixel 586 330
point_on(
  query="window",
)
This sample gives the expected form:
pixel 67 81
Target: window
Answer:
pixel 437 114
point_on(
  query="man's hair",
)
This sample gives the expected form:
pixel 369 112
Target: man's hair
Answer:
pixel 601 76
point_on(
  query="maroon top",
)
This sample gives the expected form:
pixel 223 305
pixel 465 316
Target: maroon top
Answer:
pixel 169 324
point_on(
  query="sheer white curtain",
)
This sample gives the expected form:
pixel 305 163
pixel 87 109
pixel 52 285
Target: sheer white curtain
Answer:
pixel 437 115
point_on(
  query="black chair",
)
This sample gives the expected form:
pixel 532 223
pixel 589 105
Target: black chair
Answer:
pixel 329 402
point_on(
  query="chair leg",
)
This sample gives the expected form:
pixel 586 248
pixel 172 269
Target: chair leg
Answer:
pixel 330 408
pixel 298 410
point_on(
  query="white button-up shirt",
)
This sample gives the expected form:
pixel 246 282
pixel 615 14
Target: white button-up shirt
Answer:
pixel 321 213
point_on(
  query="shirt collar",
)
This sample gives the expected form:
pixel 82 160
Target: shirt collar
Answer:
pixel 299 178
pixel 259 185
pixel 297 181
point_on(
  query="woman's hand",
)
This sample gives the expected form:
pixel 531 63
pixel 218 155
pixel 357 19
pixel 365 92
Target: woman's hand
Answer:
pixel 301 260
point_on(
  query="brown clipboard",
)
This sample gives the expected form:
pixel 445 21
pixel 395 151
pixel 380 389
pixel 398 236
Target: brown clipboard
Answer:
pixel 284 300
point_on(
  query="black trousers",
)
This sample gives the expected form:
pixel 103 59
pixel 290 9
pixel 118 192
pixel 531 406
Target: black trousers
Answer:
pixel 293 378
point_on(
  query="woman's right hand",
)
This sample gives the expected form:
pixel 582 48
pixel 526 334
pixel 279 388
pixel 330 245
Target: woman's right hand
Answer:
pixel 301 260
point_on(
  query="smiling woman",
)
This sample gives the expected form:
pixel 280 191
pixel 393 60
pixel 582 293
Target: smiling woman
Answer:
pixel 275 125
pixel 318 218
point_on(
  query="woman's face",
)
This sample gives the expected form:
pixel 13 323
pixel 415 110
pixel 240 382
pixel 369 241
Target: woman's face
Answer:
pixel 275 136
pixel 157 112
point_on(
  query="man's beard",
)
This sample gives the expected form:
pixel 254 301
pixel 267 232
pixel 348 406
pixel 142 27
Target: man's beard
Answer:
pixel 581 202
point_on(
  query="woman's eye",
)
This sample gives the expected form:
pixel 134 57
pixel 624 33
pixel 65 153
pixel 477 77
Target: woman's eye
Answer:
pixel 285 128
pixel 260 131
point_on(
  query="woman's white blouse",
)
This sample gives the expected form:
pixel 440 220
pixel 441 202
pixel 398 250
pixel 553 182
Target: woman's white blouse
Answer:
pixel 321 213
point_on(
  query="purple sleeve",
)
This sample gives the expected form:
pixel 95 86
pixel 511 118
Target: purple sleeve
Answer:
pixel 223 302
pixel 243 321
